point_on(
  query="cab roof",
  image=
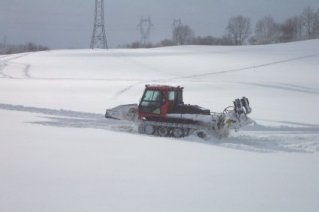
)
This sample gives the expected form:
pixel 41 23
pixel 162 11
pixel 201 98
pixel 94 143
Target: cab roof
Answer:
pixel 163 87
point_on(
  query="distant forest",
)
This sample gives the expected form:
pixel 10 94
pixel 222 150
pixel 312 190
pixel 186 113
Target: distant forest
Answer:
pixel 239 31
pixel 28 47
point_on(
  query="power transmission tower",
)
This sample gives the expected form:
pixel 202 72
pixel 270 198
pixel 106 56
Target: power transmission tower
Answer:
pixel 99 37
pixel 145 27
pixel 176 23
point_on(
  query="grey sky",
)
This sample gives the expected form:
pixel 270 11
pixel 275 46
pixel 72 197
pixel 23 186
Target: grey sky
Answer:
pixel 68 23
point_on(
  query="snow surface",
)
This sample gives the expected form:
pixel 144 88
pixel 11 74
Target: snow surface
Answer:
pixel 59 153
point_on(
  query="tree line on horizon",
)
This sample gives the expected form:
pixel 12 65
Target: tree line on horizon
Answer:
pixel 239 31
pixel 20 48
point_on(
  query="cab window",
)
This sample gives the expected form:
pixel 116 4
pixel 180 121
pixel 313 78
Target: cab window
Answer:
pixel 152 95
pixel 171 96
pixel 151 102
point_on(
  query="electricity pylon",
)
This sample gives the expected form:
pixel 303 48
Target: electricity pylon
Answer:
pixel 99 37
pixel 145 26
pixel 177 23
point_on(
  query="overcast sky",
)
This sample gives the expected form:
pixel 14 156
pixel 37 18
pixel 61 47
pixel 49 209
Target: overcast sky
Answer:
pixel 69 23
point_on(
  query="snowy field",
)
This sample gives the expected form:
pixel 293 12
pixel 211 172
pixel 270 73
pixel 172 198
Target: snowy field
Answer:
pixel 59 153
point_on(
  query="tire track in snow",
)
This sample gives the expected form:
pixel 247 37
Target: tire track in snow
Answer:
pixel 131 59
pixel 7 60
pixel 3 56
pixel 26 71
pixel 120 92
pixel 247 68
pixel 72 119
pixel 301 137
pixel 280 86
pixel 47 111
pixel 2 67
pixel 129 87
pixel 299 87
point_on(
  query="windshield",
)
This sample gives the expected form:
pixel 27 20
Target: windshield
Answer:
pixel 152 95
pixel 151 102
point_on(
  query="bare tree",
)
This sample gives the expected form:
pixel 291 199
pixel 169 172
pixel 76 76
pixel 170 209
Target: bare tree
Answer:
pixel 239 29
pixel 267 31
pixel 316 24
pixel 291 29
pixel 166 42
pixel 309 18
pixel 182 35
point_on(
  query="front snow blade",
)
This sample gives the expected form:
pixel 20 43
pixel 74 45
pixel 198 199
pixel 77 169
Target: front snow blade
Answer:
pixel 123 112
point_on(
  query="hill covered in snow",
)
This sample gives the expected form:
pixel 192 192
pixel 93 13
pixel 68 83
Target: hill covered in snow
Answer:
pixel 58 153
